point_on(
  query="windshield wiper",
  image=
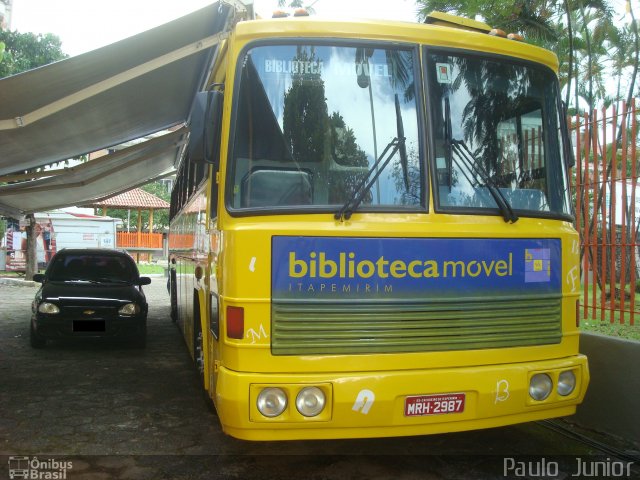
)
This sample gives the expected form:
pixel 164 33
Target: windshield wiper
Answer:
pixel 402 147
pixel 463 153
pixel 460 148
pixel 361 190
pixel 448 135
pixel 80 280
pixel 110 280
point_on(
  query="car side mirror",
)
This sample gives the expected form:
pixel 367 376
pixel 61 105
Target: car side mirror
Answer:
pixel 38 278
pixel 144 281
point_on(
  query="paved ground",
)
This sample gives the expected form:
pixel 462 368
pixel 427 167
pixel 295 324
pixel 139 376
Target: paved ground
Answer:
pixel 114 411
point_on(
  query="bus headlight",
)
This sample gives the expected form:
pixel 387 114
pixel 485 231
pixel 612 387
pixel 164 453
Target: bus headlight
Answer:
pixel 566 383
pixel 271 402
pixel 310 401
pixel 48 308
pixel 540 386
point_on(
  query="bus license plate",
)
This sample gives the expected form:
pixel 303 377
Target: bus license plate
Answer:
pixel 419 405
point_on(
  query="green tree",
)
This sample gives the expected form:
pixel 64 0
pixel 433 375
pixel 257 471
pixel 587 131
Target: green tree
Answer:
pixel 160 217
pixel 579 31
pixel 305 118
pixel 636 52
pixel 533 18
pixel 622 41
pixel 596 18
pixel 348 155
pixel 26 51
pixel 315 136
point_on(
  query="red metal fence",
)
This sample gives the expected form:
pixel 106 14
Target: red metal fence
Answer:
pixel 139 240
pixel 607 202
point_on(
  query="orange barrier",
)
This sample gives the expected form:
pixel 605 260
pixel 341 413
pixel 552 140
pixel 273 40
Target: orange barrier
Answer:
pixel 141 240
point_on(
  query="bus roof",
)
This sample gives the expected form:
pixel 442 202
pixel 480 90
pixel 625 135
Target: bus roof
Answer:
pixel 440 35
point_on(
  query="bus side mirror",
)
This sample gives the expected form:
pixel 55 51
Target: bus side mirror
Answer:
pixel 205 124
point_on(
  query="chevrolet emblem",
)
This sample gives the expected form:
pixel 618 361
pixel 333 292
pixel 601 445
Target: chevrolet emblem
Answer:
pixel 89 312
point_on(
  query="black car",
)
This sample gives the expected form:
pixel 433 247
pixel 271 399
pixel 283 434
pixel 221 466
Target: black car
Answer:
pixel 90 293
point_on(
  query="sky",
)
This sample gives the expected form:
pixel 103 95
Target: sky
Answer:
pixel 85 25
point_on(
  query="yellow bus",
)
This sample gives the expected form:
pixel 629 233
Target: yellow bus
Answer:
pixel 371 231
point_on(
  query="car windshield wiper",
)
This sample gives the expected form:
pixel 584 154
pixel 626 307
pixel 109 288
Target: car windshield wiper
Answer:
pixel 460 152
pixel 397 144
pixel 79 280
pixel 110 280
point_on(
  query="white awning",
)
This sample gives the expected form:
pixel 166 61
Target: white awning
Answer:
pixel 118 93
pixel 100 178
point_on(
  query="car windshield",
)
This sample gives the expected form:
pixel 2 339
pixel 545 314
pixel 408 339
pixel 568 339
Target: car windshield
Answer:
pixel 315 121
pixel 496 136
pixel 92 268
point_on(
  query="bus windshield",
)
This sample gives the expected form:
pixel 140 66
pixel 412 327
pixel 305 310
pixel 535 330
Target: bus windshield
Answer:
pixel 497 136
pixel 315 121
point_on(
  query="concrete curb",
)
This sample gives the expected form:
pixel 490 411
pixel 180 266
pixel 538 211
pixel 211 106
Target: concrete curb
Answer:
pixel 20 282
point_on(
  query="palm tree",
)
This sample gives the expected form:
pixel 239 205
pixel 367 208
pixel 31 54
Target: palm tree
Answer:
pixel 621 56
pixel 636 47
pixel 574 29
pixel 533 18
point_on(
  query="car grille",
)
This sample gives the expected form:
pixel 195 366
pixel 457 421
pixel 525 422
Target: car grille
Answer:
pixel 343 327
pixel 77 311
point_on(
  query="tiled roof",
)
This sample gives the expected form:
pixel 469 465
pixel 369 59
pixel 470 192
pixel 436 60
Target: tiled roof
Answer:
pixel 136 198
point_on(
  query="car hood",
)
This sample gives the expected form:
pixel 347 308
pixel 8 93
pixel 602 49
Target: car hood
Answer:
pixel 89 292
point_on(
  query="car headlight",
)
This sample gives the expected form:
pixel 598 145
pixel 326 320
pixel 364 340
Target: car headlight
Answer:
pixel 540 386
pixel 566 383
pixel 48 308
pixel 272 402
pixel 129 309
pixel 310 401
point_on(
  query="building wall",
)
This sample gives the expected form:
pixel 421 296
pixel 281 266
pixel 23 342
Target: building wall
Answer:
pixel 611 403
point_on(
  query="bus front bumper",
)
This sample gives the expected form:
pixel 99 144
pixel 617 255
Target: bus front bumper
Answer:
pixel 399 403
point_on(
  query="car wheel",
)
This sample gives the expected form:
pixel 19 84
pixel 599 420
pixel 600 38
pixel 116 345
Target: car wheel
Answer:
pixel 36 340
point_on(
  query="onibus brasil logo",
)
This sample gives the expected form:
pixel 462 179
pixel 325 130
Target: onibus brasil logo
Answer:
pixel 38 469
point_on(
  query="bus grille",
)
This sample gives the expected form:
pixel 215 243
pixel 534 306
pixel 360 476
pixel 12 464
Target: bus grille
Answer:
pixel 308 328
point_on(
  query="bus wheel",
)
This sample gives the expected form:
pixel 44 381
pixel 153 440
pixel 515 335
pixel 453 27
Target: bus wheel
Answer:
pixel 200 357
pixel 201 373
pixel 198 349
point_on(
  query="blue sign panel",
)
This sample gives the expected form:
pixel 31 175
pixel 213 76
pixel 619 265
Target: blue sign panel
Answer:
pixel 341 268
